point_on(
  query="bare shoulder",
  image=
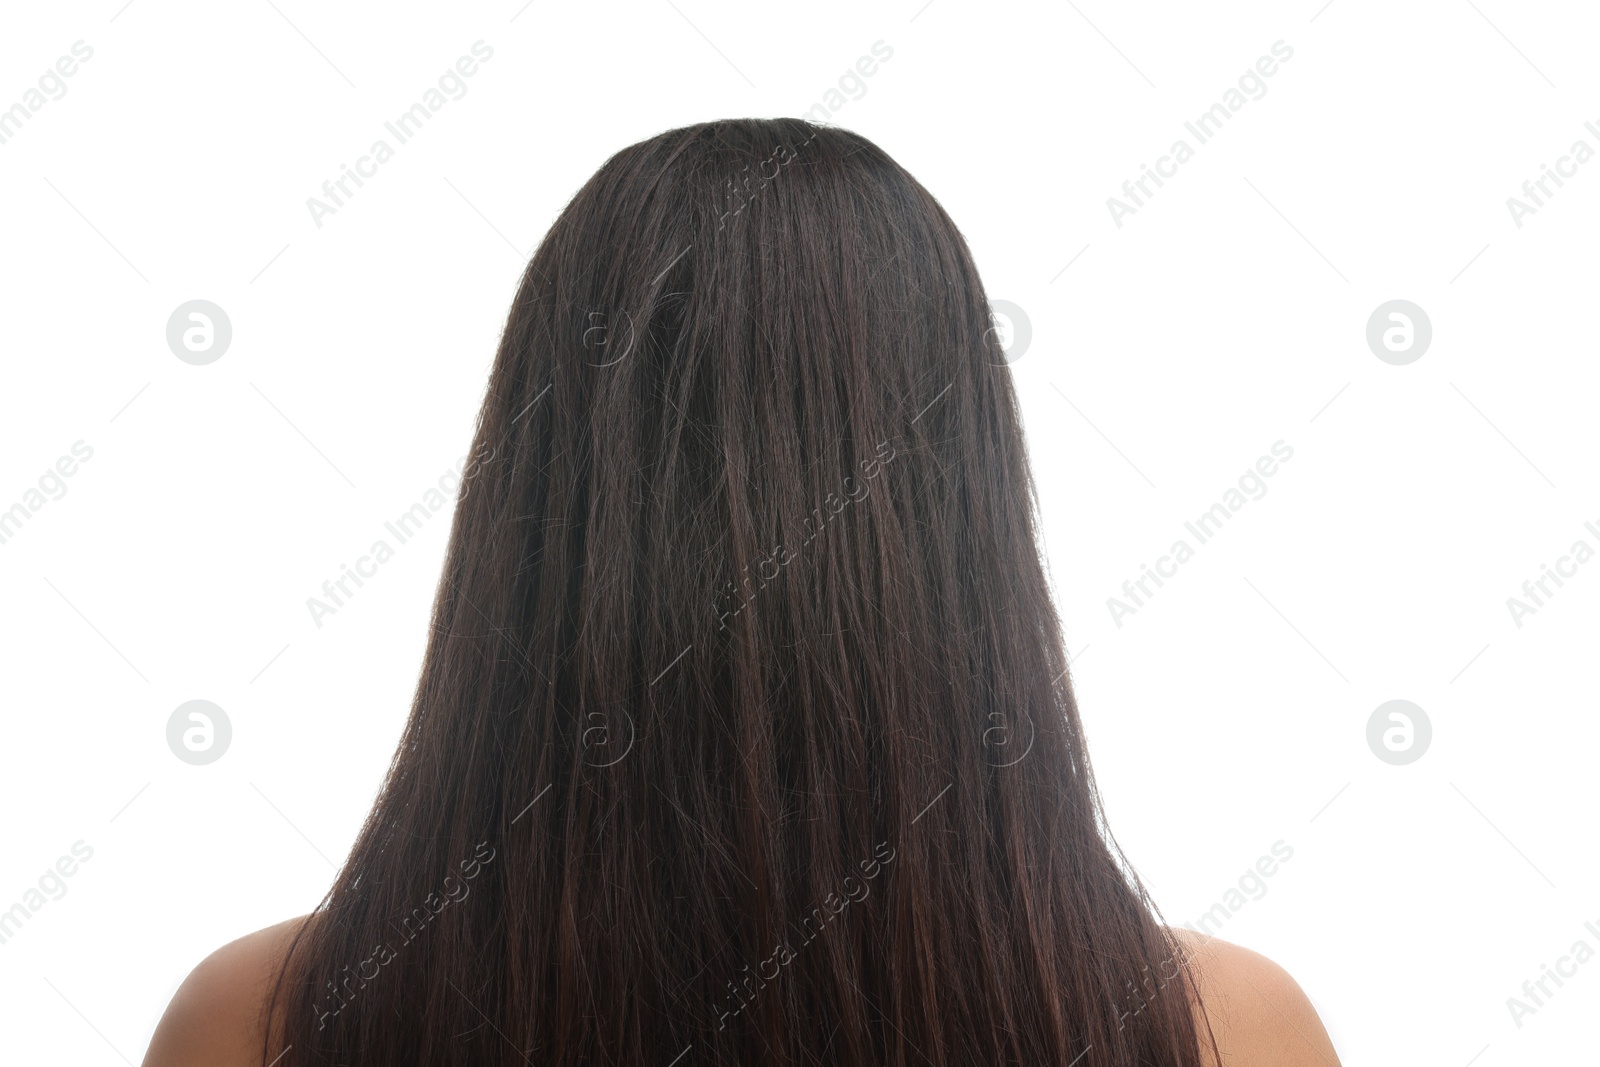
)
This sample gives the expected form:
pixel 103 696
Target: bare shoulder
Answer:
pixel 1259 1015
pixel 216 1019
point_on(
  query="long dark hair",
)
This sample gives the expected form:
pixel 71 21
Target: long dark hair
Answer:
pixel 744 733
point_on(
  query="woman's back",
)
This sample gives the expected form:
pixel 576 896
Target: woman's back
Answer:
pixel 1258 1015
pixel 744 732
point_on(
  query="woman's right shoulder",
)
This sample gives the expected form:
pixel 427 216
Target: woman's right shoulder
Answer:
pixel 1258 1014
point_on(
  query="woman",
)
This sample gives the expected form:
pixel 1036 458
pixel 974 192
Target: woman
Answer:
pixel 744 733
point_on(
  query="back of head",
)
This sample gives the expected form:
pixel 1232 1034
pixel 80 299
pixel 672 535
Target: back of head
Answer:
pixel 744 731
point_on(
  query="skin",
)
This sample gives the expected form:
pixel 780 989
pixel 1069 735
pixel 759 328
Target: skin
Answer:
pixel 215 1018
pixel 1258 1014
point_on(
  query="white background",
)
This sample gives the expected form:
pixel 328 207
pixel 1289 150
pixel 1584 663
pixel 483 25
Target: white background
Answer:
pixel 1227 314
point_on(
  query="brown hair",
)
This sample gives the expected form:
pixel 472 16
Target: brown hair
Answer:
pixel 744 733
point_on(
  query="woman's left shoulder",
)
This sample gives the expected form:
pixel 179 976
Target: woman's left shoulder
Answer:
pixel 217 1017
